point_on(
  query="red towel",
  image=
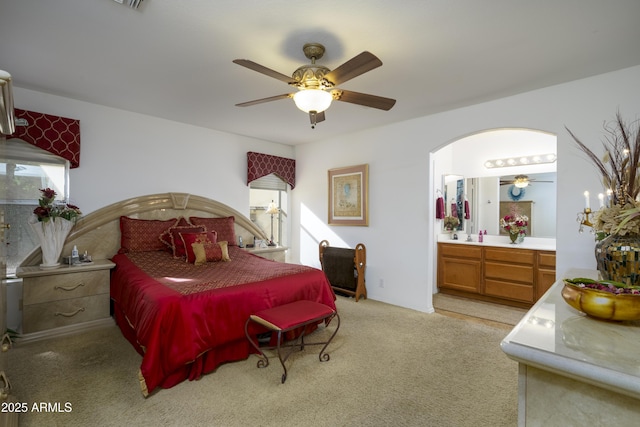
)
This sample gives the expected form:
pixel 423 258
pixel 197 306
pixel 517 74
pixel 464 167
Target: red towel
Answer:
pixel 454 210
pixel 467 211
pixel 439 208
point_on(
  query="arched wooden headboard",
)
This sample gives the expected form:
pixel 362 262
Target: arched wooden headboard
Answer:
pixel 98 233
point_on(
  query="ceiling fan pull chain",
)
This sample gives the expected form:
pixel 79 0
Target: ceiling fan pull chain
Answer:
pixel 313 116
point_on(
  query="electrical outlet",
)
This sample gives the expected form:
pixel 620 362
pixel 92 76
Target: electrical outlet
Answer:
pixel 382 283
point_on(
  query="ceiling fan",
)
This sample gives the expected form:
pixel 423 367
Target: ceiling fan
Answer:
pixel 520 181
pixel 317 84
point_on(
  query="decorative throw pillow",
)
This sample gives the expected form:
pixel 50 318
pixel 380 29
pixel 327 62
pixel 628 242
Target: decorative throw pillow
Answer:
pixel 165 237
pixel 225 227
pixel 141 235
pixel 207 239
pixel 177 245
pixel 224 245
pixel 205 252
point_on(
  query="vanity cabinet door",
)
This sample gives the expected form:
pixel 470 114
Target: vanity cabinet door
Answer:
pixel 546 273
pixel 460 267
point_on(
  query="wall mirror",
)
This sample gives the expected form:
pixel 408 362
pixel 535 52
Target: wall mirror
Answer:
pixel 454 197
pixel 493 197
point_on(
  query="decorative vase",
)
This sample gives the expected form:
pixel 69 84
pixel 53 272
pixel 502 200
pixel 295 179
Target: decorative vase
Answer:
pixel 516 238
pixel 52 235
pixel 618 258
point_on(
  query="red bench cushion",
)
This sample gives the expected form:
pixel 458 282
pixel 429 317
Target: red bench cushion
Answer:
pixel 289 316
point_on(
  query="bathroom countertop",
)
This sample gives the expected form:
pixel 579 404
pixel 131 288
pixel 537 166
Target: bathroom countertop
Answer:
pixel 533 243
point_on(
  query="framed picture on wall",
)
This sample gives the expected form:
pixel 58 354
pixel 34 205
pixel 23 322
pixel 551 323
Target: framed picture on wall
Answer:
pixel 348 195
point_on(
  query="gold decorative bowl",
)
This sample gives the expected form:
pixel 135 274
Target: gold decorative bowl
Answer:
pixel 602 304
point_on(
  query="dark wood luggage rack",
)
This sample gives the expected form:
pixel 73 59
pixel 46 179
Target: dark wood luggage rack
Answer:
pixel 335 264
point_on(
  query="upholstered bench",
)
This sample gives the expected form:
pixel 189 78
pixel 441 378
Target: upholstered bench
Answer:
pixel 287 317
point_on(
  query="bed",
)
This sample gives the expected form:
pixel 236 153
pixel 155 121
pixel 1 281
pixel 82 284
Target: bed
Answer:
pixel 186 316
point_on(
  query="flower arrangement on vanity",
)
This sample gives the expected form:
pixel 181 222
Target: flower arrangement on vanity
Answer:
pixel 516 225
pixel 450 223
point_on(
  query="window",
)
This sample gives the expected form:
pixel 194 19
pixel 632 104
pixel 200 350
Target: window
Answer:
pixel 24 170
pixel 263 191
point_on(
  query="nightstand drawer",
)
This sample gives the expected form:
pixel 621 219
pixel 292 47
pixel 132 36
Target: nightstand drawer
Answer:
pixel 48 315
pixel 64 286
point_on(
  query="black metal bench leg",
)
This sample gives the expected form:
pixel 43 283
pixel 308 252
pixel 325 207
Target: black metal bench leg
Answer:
pixel 324 357
pixel 284 367
pixel 263 360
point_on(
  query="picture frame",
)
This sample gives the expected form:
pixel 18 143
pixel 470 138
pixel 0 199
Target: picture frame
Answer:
pixel 349 195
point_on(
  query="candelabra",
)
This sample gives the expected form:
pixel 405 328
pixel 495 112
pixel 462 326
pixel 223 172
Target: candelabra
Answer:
pixel 583 219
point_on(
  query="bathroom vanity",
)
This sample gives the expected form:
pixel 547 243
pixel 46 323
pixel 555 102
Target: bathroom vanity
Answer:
pixel 496 270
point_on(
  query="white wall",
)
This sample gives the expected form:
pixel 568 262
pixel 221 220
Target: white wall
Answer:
pixel 125 155
pixel 402 197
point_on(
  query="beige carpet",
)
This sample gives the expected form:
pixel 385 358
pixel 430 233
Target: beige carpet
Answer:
pixel 389 366
pixel 445 304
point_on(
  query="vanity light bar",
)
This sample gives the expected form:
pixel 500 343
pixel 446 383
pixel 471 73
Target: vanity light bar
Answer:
pixel 533 159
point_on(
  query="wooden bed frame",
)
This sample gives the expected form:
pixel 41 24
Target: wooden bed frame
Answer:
pixel 98 232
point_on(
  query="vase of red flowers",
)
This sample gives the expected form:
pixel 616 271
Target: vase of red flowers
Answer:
pixel 516 225
pixel 52 222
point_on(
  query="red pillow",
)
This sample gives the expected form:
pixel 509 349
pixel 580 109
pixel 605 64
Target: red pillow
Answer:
pixel 177 245
pixel 225 227
pixel 166 236
pixel 142 235
pixel 208 239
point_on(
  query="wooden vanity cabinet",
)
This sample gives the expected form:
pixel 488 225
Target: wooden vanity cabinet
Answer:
pixel 508 273
pixel 546 273
pixel 460 267
pixel 505 275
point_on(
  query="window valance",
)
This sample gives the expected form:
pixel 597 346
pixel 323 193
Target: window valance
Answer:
pixel 57 135
pixel 259 165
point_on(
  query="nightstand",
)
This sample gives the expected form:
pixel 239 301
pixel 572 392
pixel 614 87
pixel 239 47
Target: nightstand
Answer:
pixel 274 253
pixel 65 299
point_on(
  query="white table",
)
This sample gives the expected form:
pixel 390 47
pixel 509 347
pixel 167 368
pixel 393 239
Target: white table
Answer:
pixel 574 370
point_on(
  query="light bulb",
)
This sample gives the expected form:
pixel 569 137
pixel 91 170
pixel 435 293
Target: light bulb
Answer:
pixel 312 100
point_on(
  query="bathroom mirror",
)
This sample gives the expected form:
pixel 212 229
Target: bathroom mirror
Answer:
pixel 454 198
pixel 493 197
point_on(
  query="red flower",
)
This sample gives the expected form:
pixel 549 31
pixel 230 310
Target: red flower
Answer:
pixel 48 208
pixel 48 193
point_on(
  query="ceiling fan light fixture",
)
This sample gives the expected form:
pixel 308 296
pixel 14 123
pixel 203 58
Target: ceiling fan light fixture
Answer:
pixel 312 100
pixel 521 181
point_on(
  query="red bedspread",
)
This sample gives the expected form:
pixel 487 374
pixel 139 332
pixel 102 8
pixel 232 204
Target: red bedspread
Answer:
pixel 186 320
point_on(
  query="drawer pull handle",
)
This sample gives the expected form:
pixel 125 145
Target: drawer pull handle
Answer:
pixel 6 386
pixel 70 314
pixel 68 288
pixel 6 343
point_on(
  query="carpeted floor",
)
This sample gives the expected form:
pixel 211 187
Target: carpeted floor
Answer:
pixel 389 366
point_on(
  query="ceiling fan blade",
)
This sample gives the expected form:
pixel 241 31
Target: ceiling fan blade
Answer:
pixel 263 100
pixel 372 101
pixel 264 70
pixel 357 65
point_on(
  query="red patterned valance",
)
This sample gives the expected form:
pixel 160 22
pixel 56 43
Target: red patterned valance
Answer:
pixel 57 135
pixel 259 165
